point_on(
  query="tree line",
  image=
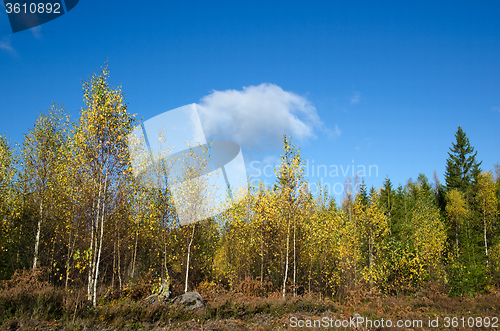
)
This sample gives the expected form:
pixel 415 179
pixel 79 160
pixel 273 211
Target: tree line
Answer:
pixel 69 203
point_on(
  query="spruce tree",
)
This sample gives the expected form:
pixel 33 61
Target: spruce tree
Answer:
pixel 363 194
pixel 387 197
pixel 461 166
pixel 400 209
pixel 373 192
pixel 439 193
pixel 424 188
pixel 468 272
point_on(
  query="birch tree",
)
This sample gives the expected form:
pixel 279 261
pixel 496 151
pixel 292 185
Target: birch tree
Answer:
pixel 9 207
pixel 372 231
pixel 457 211
pixel 42 163
pixel 292 192
pixel 102 155
pixel 193 193
pixel 487 202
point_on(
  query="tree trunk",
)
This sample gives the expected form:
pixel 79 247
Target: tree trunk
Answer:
pixel 51 278
pixel 165 266
pixel 71 250
pixel 485 240
pixel 262 254
pixel 294 259
pixel 93 229
pixel 93 245
pixel 91 264
pixel 119 266
pixel 310 273
pixel 188 256
pixel 355 232
pixel 67 261
pixel 114 264
pixel 286 257
pixel 37 238
pixel 370 247
pixel 100 244
pixel 135 254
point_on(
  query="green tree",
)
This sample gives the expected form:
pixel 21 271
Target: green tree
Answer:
pixel 102 158
pixel 372 231
pixel 497 188
pixel 362 194
pixel 487 202
pixel 387 198
pixel 457 212
pixel 291 198
pixel 494 253
pixel 9 208
pixel 461 165
pixel 418 239
pixel 425 189
pixel 42 166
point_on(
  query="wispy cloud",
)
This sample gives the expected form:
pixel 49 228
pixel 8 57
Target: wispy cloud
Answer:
pixel 6 45
pixel 333 133
pixel 37 32
pixel 258 116
pixel 496 109
pixel 356 96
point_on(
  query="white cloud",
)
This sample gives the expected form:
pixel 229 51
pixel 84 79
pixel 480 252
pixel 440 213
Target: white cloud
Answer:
pixel 6 45
pixel 258 116
pixel 356 96
pixel 496 109
pixel 37 32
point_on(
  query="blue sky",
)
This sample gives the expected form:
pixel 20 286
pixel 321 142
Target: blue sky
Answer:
pixel 383 84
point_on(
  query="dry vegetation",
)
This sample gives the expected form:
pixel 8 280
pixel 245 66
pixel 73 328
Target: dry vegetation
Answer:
pixel 28 302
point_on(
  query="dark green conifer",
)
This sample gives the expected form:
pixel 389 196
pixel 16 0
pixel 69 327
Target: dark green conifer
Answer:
pixel 387 197
pixel 362 193
pixel 462 169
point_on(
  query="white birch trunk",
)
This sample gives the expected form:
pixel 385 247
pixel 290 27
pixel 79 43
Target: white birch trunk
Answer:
pixel 262 254
pixel 135 254
pixel 91 266
pixel 485 240
pixel 37 238
pixel 93 246
pixel 188 256
pixel 294 258
pixel 286 258
pixel 119 265
pixel 100 244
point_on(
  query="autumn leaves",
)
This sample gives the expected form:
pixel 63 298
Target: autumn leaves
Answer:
pixel 69 195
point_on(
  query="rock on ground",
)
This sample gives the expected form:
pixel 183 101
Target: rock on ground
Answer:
pixel 190 300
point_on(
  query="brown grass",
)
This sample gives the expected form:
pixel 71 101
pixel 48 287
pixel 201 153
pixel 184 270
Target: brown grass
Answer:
pixel 27 302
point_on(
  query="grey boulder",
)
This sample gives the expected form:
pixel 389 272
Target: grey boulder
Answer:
pixel 190 300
